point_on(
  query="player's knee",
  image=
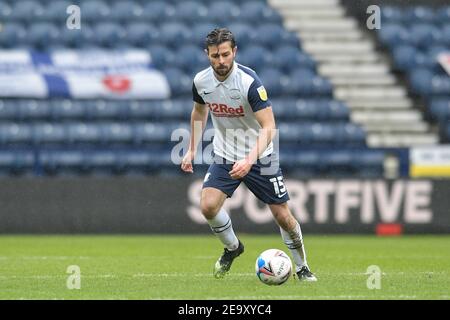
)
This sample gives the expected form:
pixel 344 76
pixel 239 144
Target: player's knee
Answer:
pixel 209 208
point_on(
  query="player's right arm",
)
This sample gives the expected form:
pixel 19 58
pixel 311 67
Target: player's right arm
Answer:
pixel 199 116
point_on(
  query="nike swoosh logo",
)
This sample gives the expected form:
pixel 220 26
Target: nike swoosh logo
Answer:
pixel 205 93
pixel 282 195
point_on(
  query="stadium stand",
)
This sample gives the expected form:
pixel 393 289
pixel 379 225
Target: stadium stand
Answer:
pixel 321 131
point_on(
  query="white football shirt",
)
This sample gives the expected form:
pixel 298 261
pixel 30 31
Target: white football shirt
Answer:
pixel 232 104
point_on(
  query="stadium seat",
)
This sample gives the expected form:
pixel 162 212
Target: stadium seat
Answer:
pixel 439 110
pixel 420 80
pixel 338 164
pixel 49 133
pixel 9 110
pixel 369 163
pixel 223 12
pixel 350 134
pixel 157 12
pixel 419 14
pixel 124 11
pixel 180 83
pixel 117 133
pixel 423 35
pixel 191 59
pixel 145 133
pixel 175 34
pixel 56 11
pixel 108 34
pixel 43 34
pixel 255 12
pixel 15 133
pixel 34 110
pixel 63 162
pixel 200 31
pixel 15 162
pixel 12 35
pixel 136 161
pixel 255 57
pixel 78 38
pixel 393 34
pixel 141 34
pixel 106 110
pixel 68 109
pixel 26 11
pixel 95 11
pixel 84 133
pixel 443 14
pixel 289 57
pixel 391 14
pixel 332 110
pixel 161 56
pixel 244 33
pixel 272 78
pixel 300 83
pixel 190 12
pixel 102 162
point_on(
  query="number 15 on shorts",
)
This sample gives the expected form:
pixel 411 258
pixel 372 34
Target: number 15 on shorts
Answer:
pixel 278 185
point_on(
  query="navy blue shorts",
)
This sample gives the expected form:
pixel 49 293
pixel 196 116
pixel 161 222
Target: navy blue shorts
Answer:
pixel 264 180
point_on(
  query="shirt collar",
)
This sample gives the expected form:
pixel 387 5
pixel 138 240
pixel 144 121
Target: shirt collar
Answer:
pixel 228 81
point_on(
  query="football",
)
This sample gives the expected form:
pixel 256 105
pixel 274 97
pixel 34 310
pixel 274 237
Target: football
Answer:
pixel 273 267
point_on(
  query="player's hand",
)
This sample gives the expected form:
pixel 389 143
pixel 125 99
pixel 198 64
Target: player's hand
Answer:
pixel 186 163
pixel 240 169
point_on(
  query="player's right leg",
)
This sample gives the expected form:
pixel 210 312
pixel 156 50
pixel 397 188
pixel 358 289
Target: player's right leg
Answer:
pixel 217 186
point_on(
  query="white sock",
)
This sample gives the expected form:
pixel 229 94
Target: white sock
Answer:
pixel 294 241
pixel 223 229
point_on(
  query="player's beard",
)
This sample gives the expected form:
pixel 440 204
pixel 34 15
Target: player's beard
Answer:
pixel 223 70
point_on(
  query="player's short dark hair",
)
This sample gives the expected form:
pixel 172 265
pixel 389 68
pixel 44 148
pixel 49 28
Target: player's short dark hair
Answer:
pixel 219 36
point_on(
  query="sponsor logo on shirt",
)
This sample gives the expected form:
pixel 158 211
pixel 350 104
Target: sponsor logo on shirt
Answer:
pixel 222 110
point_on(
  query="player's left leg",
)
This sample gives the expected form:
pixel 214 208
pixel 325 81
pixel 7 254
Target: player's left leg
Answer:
pixel 292 237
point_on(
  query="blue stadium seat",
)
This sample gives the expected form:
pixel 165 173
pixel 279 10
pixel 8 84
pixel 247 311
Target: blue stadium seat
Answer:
pixel 258 12
pixel 78 38
pixel 68 109
pixel 393 34
pixel 84 133
pixel 180 83
pixel 447 132
pixel 49 133
pixel 34 109
pixel 94 11
pixel 140 110
pixel 420 80
pixel 162 57
pixel 255 57
pixel 108 34
pixel 300 83
pixel 125 11
pixel 289 57
pixel 43 34
pixel 440 109
pixel 12 35
pixel 16 162
pixel 332 110
pixel 369 163
pixel 338 164
pixel 404 57
pixel 321 87
pixel 141 34
pixel 145 133
pixel 175 34
pixel 423 35
pixel 445 32
pixel 443 14
pixel 102 162
pixel 222 12
pixel 26 11
pixel 63 161
pixel 5 11
pixel 419 14
pixel 104 110
pixel 350 134
pixel 157 12
pixel 392 14
pixel 15 133
pixel 173 110
pixel 244 33
pixel 56 11
pixel 117 133
pixel 191 59
pixel 200 31
pixel 322 133
pixel 190 12
pixel 272 78
pixel 136 161
pixel 9 110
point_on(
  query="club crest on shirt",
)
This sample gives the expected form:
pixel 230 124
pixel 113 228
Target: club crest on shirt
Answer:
pixel 262 93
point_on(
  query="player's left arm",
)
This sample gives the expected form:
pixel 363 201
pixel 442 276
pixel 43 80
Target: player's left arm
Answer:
pixel 266 120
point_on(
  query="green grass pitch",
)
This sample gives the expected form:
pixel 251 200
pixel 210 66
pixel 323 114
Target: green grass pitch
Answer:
pixel 180 267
